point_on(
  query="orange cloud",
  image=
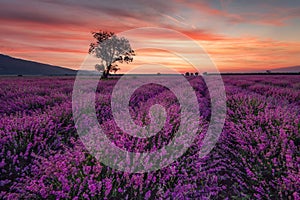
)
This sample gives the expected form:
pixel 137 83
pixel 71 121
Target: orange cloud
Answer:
pixel 59 33
pixel 272 15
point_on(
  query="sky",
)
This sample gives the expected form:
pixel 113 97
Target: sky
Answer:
pixel 237 35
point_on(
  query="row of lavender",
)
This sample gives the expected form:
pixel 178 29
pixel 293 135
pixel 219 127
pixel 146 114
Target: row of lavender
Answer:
pixel 257 155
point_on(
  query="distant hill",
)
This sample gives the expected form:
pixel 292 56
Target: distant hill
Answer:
pixel 287 69
pixel 15 66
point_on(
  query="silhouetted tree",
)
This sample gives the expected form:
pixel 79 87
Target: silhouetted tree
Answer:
pixel 111 50
pixel 192 74
pixel 187 73
pixel 196 74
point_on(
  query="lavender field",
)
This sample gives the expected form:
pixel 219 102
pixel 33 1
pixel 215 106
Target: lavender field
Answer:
pixel 257 155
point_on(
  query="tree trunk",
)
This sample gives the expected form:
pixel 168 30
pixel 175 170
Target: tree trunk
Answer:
pixel 104 75
pixel 106 72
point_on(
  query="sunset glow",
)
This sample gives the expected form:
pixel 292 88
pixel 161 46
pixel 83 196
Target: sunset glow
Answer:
pixel 237 35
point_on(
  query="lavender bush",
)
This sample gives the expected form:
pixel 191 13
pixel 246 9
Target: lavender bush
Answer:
pixel 256 157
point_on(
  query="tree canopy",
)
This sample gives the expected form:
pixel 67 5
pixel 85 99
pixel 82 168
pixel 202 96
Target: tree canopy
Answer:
pixel 111 50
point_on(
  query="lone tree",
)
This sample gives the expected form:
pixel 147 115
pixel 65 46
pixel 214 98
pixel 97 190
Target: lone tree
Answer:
pixel 111 50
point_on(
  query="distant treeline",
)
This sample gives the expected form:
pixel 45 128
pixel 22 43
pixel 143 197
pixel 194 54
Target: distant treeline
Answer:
pixel 204 74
